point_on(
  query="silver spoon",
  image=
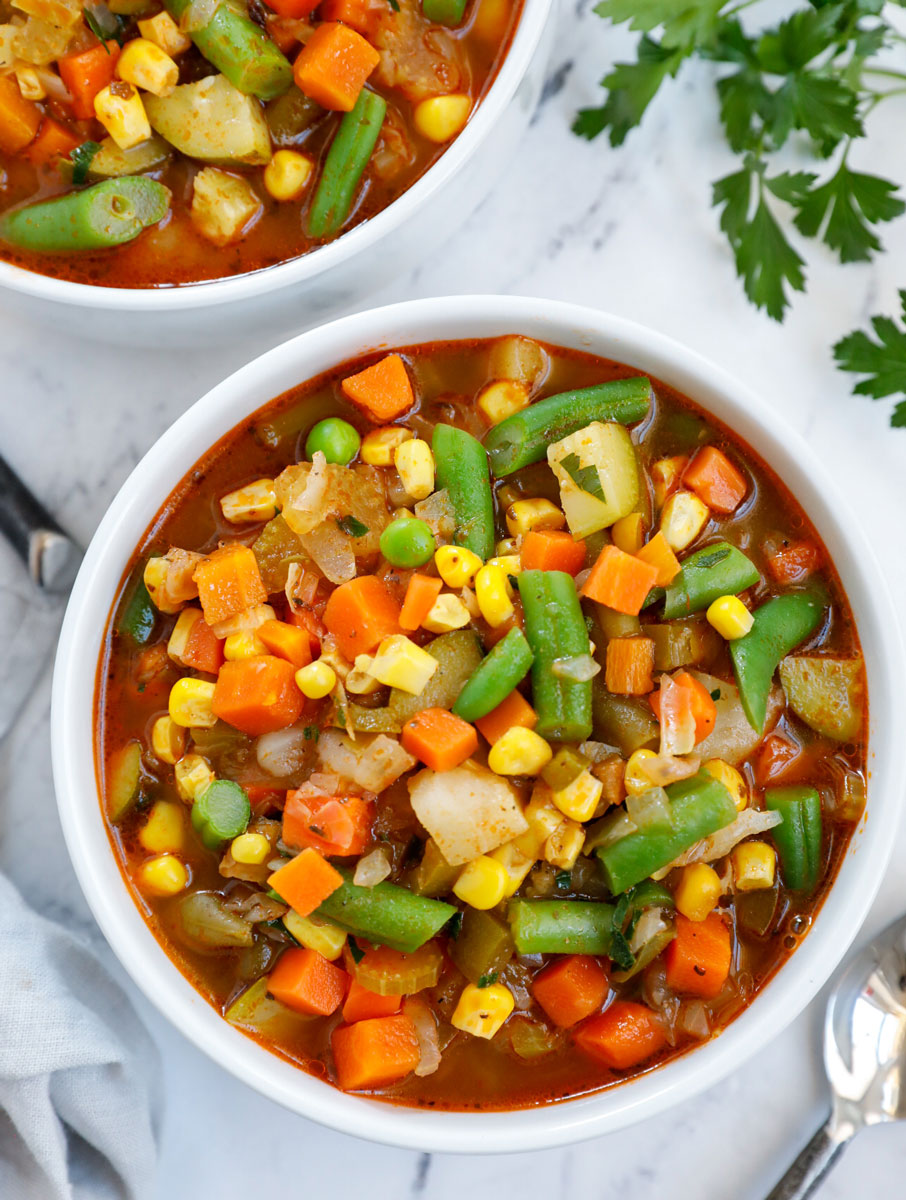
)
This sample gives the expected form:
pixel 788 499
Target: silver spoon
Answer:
pixel 864 1055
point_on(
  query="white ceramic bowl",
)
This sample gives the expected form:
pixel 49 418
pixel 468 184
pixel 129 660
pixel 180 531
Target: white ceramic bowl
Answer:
pixel 284 299
pixel 73 733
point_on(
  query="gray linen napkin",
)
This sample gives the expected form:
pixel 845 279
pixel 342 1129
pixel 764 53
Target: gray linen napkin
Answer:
pixel 78 1072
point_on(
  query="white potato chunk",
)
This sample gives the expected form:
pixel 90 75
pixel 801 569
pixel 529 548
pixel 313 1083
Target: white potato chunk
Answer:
pixel 468 811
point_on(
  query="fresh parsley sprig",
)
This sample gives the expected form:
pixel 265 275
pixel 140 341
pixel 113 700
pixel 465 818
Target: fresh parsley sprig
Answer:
pixel 883 362
pixel 815 75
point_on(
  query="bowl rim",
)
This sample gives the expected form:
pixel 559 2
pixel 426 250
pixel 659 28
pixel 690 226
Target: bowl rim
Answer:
pixel 302 358
pixel 308 267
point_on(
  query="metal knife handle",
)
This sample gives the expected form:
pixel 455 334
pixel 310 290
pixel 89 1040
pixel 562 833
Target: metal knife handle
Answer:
pixel 51 556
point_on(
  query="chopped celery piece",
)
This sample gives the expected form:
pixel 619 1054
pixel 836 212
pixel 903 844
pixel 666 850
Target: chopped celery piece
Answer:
pixel 392 973
pixel 484 945
pixel 433 876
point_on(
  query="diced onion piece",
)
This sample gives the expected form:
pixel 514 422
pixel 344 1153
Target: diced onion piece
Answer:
pixel 693 1019
pixel 578 669
pixel 426 1031
pixel 282 752
pixel 750 821
pixel 198 14
pixel 372 868
pixel 667 768
pixel 651 807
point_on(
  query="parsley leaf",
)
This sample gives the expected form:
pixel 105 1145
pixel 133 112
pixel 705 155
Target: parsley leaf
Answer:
pixel 850 202
pixel 454 925
pixel 486 980
pixel 81 158
pixel 883 362
pixel 352 526
pixel 104 25
pixel 355 950
pixel 563 879
pixel 586 478
pixel 632 87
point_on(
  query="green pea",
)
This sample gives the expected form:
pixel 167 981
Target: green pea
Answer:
pixel 335 438
pixel 407 542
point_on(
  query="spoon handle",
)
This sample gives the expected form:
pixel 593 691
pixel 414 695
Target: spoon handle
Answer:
pixel 813 1162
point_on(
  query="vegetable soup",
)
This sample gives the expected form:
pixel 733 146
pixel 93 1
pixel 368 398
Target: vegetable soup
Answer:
pixel 481 711
pixel 147 146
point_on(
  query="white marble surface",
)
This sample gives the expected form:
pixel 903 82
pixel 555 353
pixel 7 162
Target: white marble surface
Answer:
pixel 626 230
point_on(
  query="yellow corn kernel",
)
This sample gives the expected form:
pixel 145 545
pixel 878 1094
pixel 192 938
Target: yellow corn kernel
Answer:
pixel 447 613
pixel 698 891
pixel 359 681
pixel 482 883
pixel 634 777
pixel 144 64
pixel 683 518
pixel 190 703
pixel 30 85
pixel 317 680
pixel 251 849
pixel 564 846
pixel 164 875
pixel 515 863
pixel 179 637
pixel 163 31
pixel 379 446
pixel 246 644
pixel 730 617
pixel 519 752
pixel 441 117
pixel 456 565
pixel 753 866
pixel 492 591
pixel 523 516
pixel 543 818
pixel 502 398
pixel 400 663
pixel 415 463
pixel 123 116
pixel 482 1011
pixel 255 501
pixel 665 475
pixel 316 933
pixel 507 547
pixel 163 829
pixel 628 533
pixel 579 799
pixel 288 174
pixel 732 780
pixel 193 774
pixel 168 740
pixel 510 564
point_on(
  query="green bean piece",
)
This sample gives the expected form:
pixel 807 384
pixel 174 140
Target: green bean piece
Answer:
pixel 484 945
pixel 698 807
pixel 798 838
pixel 241 50
pixel 386 914
pixel 139 617
pixel 524 437
pixel 444 12
pixel 780 625
pixel 462 469
pixel 498 674
pixel 220 813
pixel 561 926
pixel 345 164
pixel 716 570
pixel 555 629
pixel 103 215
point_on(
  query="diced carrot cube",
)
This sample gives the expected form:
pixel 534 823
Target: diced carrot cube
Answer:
pixel 421 594
pixel 375 1053
pixel 333 65
pixel 286 641
pixel 229 582
pixel 552 550
pixel 305 981
pixel 629 665
pixel 362 15
pixel 657 553
pixel 360 614
pixel 514 710
pixel 619 580
pixel 53 141
pixel 362 1005
pixel 715 480
pixel 439 738
pixel 384 388
pixel 258 695
pixel 571 988
pixel 19 118
pixel 698 959
pixel 623 1036
pixel 793 562
pixel 306 881
pixel 86 73
pixel 204 651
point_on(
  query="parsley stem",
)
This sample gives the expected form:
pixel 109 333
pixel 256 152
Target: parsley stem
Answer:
pixel 888 74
